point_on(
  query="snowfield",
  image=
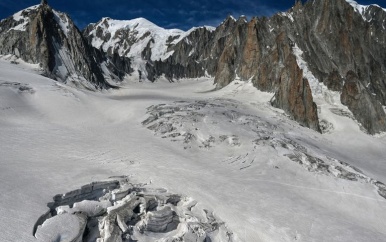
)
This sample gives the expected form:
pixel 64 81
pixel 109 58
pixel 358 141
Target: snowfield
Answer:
pixel 261 174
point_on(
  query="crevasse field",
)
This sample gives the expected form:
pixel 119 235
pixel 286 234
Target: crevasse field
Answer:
pixel 263 175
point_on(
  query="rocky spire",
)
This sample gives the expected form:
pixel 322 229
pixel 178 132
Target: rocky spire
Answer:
pixel 41 37
pixel 298 5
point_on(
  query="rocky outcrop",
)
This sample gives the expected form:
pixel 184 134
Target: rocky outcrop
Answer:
pixel 249 50
pixel 252 52
pixel 42 35
pixel 338 37
pixel 295 97
pixel 333 37
pixel 341 38
pixel 328 38
pixel 228 59
pixel 334 81
pixel 365 108
pixel 152 50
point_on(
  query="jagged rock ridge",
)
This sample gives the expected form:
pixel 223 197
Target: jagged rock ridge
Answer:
pixel 42 35
pixel 295 54
pixel 328 38
pixel 147 45
pixel 341 37
pixel 320 34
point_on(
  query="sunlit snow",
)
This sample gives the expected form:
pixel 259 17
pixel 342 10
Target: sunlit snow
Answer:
pixel 361 8
pixel 266 177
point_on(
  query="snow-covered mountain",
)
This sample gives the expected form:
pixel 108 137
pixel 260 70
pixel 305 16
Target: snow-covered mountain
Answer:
pixel 337 46
pixel 130 38
pixel 220 157
pixel 368 12
pixel 139 39
pixel 330 43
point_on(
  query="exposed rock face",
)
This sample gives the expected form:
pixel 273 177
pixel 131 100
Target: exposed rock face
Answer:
pixel 294 95
pixel 189 57
pixel 334 81
pixel 252 52
pixel 368 111
pixel 334 37
pixel 42 35
pixel 338 37
pixel 329 38
pixel 155 51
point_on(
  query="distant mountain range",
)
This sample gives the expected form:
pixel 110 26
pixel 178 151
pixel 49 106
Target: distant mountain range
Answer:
pixel 322 51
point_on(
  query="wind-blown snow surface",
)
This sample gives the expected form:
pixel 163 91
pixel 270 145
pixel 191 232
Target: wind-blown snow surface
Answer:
pixel 301 185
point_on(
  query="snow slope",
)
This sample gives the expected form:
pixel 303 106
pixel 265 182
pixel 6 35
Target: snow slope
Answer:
pixel 136 39
pixel 22 18
pixel 276 181
pixel 328 102
pixel 362 8
pixel 138 29
pixel 63 21
pixel 130 37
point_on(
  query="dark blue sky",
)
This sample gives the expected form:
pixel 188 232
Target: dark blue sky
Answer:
pixel 182 14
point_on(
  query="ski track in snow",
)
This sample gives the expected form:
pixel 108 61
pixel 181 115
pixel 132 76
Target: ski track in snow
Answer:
pixel 281 182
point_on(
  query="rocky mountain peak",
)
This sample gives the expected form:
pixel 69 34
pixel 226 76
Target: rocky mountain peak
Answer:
pixel 300 55
pixel 229 20
pixel 47 37
pixel 298 5
pixel 130 37
pixel 242 18
pixel 322 37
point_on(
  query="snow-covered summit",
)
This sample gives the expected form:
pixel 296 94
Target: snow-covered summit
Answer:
pixel 362 8
pixel 64 22
pixel 209 28
pixel 130 37
pixel 138 39
pixel 21 14
pixel 22 18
